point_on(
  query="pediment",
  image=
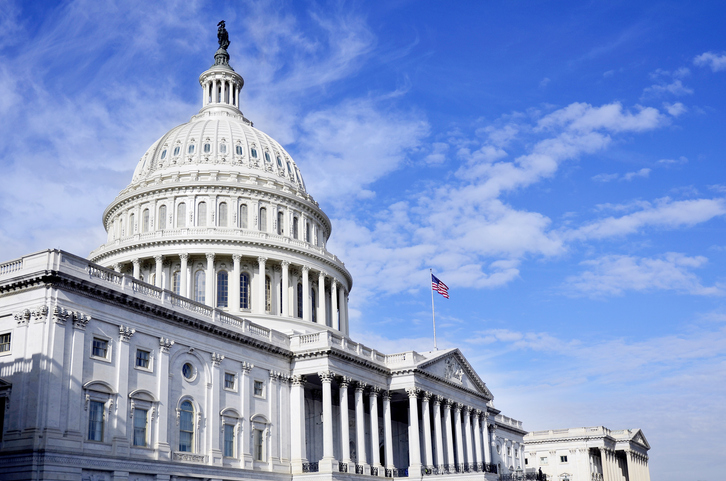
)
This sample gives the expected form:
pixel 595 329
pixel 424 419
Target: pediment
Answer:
pixel 639 438
pixel 452 367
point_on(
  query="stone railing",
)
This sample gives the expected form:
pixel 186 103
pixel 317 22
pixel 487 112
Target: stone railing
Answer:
pixel 327 339
pixel 501 419
pixel 65 263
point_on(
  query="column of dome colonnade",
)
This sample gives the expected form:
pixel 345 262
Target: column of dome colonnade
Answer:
pixel 425 455
pixel 243 288
pixel 217 211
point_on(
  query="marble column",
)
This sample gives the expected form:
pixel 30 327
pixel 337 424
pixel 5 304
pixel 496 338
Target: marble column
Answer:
pixel 343 318
pixel 437 432
pixel 158 277
pixel 334 319
pixel 414 441
pixel 183 275
pixel 326 464
pixel 426 416
pixel 297 423
pixel 487 441
pixel 246 389
pixel 234 284
pixel 387 430
pixel 214 392
pixel 341 308
pixel 459 437
pixel 344 426
pixel 321 298
pixel 209 280
pixel 285 289
pixel 605 465
pixel 306 292
pixel 120 439
pixel 360 424
pixel 261 303
pixel 375 440
pixel 449 434
pixel 137 268
pixel 163 408
pixel 477 438
pixel 467 434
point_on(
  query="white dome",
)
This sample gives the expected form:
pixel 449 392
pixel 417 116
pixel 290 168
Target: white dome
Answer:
pixel 222 139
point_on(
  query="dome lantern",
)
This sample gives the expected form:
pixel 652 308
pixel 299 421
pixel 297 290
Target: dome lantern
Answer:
pixel 221 85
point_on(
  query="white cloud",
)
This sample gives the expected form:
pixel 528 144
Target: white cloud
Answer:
pixel 675 109
pixel 544 82
pixel 438 153
pixel 628 176
pixel 679 160
pixel 615 274
pixel 664 213
pixel 717 62
pixel 674 88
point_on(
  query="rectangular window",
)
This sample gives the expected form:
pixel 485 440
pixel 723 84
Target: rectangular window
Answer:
pixel 259 388
pixel 257 445
pixel 228 380
pixel 100 348
pixel 563 459
pixel 95 421
pixel 140 420
pixel 526 461
pixel 543 460
pixel 142 358
pixel 228 440
pixel 5 342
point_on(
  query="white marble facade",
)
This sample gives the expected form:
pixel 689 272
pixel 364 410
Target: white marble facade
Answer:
pixel 208 338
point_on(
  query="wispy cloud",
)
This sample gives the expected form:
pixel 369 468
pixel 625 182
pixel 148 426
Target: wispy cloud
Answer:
pixel 628 176
pixel 716 62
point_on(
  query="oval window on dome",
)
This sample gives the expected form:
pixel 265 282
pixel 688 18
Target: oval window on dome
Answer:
pixel 176 150
pixel 207 148
pixel 223 148
pixel 267 156
pixel 163 154
pixel 190 150
pixel 239 150
pixel 279 162
pixel 254 152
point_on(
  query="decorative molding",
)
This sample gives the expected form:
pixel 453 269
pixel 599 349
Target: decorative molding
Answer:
pixel 344 381
pixel 80 320
pixel 22 317
pixel 326 376
pixel 413 392
pixel 217 359
pixel 125 333
pixel 298 380
pixel 246 367
pixel 40 313
pixel 165 344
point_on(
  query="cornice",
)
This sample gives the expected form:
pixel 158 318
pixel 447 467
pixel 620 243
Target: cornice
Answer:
pixel 416 370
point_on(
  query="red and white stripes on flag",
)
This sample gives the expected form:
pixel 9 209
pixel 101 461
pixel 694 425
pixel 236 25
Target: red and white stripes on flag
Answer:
pixel 439 286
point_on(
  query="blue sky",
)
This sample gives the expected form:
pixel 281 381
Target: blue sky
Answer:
pixel 558 165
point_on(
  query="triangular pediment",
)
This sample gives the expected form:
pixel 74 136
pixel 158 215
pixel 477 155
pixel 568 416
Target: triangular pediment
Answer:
pixel 452 367
pixel 639 438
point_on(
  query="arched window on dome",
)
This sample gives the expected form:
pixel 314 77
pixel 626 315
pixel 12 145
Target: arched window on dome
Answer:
pixel 163 154
pixel 307 232
pixel 243 216
pixel 222 215
pixel 253 152
pixel 207 148
pixel 202 214
pixel 190 149
pixel 314 304
pixel 199 286
pixel 263 219
pixel 267 157
pixel 176 283
pixel 279 162
pixel 238 149
pixel 222 148
pixel 132 224
pixel 268 294
pixel 161 218
pixel 299 300
pixel 145 220
pixel 186 427
pixel 289 167
pixel 244 291
pixel 176 150
pixel 181 215
pixel 222 288
pixel 294 227
pixel 280 223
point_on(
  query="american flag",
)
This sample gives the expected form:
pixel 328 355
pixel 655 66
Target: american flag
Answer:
pixel 439 286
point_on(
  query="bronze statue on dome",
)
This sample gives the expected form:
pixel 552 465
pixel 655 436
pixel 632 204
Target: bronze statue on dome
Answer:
pixel 222 36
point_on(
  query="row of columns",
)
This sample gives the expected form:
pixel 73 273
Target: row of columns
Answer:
pixel 463 430
pixel 637 466
pixel 338 296
pixel 221 88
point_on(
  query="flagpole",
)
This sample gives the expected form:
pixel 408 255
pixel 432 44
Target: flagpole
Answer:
pixel 433 313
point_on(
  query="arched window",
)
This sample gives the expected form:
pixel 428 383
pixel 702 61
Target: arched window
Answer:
pixel 280 223
pixel 190 150
pixel 176 150
pixel 145 220
pixel 163 154
pixel 207 148
pixel 239 150
pixel 202 214
pixel 181 215
pixel 253 152
pixel 222 214
pixel 243 216
pixel 121 232
pixel 313 304
pixel 161 219
pixel 131 224
pixel 289 167
pixel 263 219
pixel 307 232
pixel 299 300
pixel 176 282
pixel 199 286
pixel 186 427
pixel 268 294
pixel 222 288
pixel 244 291
pixel 294 227
pixel 279 162
pixel 267 157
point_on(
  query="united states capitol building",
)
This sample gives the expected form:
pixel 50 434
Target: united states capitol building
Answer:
pixel 208 339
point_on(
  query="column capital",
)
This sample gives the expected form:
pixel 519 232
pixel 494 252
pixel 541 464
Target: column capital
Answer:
pixel 437 399
pixel 323 274
pixel 125 333
pixel 458 407
pixel 305 269
pixel 246 367
pixel 375 391
pixel 285 264
pixel 184 256
pixel 344 381
pixel 426 396
pixel 136 262
pixel 326 376
pixel 334 282
pixel 360 386
pixel 236 257
pixel 386 394
pixel 262 260
pixel 217 359
pixel 413 392
pixel 447 403
pixel 466 409
pixel 159 258
pixel 117 267
pixel 299 380
pixel 165 344
pixel 210 256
